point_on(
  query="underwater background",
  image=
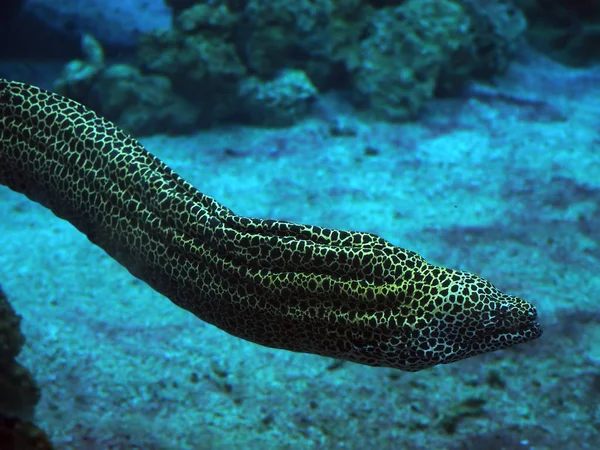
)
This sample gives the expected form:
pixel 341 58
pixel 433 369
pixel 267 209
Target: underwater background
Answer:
pixel 464 130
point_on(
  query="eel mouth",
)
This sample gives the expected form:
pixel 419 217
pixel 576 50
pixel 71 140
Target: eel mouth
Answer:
pixel 531 326
pixel 513 327
pixel 534 329
pixel 522 331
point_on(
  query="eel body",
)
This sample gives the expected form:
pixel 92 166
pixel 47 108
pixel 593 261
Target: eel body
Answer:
pixel 342 294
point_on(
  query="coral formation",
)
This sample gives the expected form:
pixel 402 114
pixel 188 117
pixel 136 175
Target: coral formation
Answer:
pixel 19 394
pixel 292 34
pixel 494 29
pixel 238 65
pixel 18 391
pixel 234 60
pixel 140 103
pixel 200 55
pixel 432 46
pixel 406 48
pixel 279 101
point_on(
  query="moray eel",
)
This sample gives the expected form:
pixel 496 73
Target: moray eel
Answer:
pixel 341 294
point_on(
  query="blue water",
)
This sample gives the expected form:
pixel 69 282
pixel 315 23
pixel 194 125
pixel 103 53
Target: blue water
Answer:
pixel 502 180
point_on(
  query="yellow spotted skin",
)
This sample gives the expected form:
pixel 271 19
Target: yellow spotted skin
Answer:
pixel 342 294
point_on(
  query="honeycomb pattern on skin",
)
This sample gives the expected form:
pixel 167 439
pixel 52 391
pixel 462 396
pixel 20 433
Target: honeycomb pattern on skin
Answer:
pixel 303 288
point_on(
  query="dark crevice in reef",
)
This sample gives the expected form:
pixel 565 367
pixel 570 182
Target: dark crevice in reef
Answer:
pixel 18 391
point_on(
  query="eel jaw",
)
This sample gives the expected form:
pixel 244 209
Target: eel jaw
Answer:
pixel 514 323
pixel 523 331
pixel 509 322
